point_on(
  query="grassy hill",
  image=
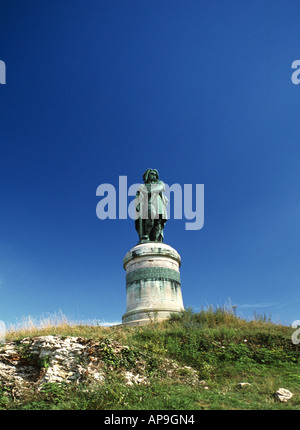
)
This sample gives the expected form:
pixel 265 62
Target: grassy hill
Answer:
pixel 217 346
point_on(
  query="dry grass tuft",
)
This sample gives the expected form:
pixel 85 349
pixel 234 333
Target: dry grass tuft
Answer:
pixel 57 324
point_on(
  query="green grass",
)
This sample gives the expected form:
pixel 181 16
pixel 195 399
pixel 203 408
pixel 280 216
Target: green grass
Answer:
pixel 223 348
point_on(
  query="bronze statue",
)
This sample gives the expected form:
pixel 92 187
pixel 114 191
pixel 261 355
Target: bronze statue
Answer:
pixel 151 203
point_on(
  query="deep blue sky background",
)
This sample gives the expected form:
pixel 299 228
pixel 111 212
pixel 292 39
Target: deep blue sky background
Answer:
pixel 200 90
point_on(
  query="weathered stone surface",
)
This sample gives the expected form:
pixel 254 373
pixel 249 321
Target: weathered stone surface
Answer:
pixel 36 361
pixel 26 365
pixel 243 384
pixel 153 287
pixel 283 395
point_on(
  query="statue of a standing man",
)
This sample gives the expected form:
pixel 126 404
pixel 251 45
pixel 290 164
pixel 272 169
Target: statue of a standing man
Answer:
pixel 151 203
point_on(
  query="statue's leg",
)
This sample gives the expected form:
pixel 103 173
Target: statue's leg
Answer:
pixel 161 236
pixel 155 227
pixel 157 232
pixel 147 229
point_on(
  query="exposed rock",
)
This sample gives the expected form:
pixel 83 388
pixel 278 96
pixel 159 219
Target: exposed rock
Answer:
pixel 132 378
pixel 243 384
pixel 204 384
pixel 185 373
pixel 283 395
pixel 27 365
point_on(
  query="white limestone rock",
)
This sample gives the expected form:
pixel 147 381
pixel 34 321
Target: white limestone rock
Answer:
pixel 283 395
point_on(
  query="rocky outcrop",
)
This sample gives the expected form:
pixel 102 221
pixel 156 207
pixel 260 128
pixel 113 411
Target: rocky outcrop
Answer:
pixel 29 364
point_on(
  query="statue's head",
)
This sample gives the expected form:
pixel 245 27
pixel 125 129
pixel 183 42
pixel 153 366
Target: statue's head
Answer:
pixel 151 175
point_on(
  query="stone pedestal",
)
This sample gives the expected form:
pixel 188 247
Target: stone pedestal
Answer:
pixel 153 285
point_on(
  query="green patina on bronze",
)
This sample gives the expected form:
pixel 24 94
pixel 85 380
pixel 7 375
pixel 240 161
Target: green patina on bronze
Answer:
pixel 151 208
pixel 155 273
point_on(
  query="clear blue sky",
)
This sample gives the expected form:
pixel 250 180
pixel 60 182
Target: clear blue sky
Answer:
pixel 201 91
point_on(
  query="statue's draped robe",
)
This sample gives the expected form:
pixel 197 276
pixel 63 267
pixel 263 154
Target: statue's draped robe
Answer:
pixel 151 213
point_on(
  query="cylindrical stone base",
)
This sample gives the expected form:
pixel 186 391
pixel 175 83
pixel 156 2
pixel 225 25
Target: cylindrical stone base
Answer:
pixel 153 287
